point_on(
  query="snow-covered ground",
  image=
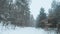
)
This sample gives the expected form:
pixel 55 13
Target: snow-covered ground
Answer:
pixel 25 30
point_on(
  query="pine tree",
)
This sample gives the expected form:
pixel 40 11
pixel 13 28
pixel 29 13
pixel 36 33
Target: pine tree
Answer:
pixel 41 17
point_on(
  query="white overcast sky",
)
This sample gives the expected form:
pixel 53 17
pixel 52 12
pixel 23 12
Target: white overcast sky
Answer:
pixel 37 4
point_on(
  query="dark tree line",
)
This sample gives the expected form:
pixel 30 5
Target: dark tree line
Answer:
pixel 53 18
pixel 16 13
